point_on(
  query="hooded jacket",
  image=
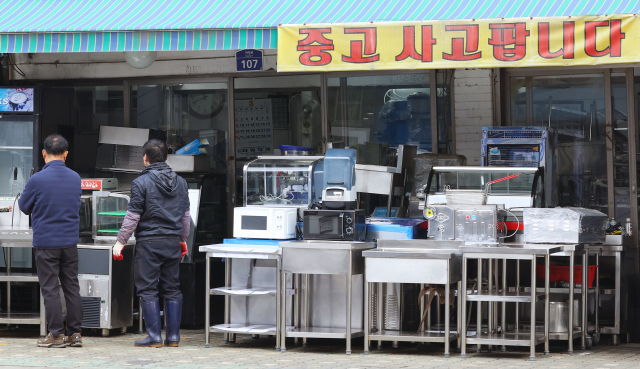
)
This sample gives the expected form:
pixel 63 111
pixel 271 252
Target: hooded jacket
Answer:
pixel 161 197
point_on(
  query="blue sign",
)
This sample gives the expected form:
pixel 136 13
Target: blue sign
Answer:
pixel 16 100
pixel 248 60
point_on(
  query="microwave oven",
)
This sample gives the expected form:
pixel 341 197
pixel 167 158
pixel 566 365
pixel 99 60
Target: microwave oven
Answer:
pixel 262 222
pixel 339 225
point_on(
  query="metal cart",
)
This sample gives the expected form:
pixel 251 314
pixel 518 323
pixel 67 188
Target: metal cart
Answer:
pixel 506 252
pixel 411 261
pixel 337 259
pixel 251 290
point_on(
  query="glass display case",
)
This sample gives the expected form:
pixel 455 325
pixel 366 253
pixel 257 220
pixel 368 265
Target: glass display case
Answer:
pixel 109 210
pixel 524 190
pixel 280 181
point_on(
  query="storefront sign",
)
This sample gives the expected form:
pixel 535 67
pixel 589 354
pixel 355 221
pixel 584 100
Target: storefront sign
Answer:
pixel 486 43
pixel 91 184
pixel 16 100
pixel 248 60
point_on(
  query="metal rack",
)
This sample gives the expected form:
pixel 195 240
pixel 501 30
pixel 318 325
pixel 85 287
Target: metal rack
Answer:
pixel 258 253
pixel 492 336
pixel 13 237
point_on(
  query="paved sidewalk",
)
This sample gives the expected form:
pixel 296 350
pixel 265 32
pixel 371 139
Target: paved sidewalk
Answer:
pixel 17 349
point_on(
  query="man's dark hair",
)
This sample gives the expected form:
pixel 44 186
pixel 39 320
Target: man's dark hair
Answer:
pixel 155 150
pixel 55 145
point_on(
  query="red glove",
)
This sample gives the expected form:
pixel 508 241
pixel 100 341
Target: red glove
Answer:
pixel 118 258
pixel 183 247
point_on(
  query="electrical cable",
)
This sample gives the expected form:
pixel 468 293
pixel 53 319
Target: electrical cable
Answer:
pixel 15 67
pixel 13 208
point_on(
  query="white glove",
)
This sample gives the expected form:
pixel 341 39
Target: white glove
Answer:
pixel 117 249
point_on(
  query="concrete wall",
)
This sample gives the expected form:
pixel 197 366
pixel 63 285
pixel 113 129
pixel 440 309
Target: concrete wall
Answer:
pixel 473 96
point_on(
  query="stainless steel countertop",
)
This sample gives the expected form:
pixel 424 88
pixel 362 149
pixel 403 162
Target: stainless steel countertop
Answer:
pixel 515 248
pixel 412 253
pixel 328 245
pixel 419 244
pixel 16 233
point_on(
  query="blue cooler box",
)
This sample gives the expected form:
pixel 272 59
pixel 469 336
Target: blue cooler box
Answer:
pixel 379 228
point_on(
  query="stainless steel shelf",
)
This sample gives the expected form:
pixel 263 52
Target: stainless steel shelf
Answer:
pixel 503 296
pixel 576 290
pixel 20 318
pixel 243 291
pixel 409 336
pixel 505 339
pixel 607 291
pixel 317 332
pixel 609 330
pixel 244 329
pixel 18 277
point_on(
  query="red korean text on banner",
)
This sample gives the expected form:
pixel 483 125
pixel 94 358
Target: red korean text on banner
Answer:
pixel 458 50
pixel 409 44
pixel 615 36
pixel 360 54
pixel 513 35
pixel 313 54
pixel 568 41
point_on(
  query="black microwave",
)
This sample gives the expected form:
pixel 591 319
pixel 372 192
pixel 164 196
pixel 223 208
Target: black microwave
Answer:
pixel 338 225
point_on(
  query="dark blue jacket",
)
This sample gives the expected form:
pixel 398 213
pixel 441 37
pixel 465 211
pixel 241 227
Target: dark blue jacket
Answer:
pixel 161 197
pixel 52 197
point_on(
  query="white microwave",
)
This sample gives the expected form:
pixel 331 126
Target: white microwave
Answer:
pixel 274 223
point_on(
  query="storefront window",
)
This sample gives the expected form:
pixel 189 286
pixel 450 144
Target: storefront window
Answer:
pixel 620 142
pixel 575 106
pixel 186 112
pixel 375 114
pixel 445 111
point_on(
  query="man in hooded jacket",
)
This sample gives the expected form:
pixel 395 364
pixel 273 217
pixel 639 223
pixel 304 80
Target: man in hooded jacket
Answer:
pixel 159 213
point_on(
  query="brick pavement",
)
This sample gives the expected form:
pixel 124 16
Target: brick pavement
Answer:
pixel 17 349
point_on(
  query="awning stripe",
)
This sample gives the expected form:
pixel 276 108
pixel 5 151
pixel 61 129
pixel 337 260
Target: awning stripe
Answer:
pixel 139 41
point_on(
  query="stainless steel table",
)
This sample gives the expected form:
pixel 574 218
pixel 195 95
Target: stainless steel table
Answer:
pixel 619 248
pixel 506 252
pixel 14 237
pixel 324 258
pixel 257 320
pixel 412 261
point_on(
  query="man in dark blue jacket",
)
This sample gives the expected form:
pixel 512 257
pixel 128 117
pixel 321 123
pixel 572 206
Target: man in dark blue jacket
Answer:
pixel 52 197
pixel 159 213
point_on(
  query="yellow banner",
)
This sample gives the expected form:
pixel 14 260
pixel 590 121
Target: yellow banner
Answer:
pixel 487 43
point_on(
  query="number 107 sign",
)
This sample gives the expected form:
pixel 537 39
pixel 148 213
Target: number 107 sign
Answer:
pixel 248 60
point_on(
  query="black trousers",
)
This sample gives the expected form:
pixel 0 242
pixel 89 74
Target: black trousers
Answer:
pixel 157 269
pixel 61 265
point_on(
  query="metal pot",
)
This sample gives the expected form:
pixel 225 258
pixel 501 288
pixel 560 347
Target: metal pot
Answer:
pixel 559 316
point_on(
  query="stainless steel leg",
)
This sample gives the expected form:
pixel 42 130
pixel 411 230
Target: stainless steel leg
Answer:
pixel 490 303
pixel 546 304
pixel 140 317
pixel 43 318
pixel 597 299
pixel 460 318
pixel 532 355
pixel 447 316
pixel 207 302
pixel 379 313
pixel 616 296
pixel 367 312
pixel 462 324
pixel 305 307
pixel 296 306
pixel 278 305
pixel 227 299
pixel 8 264
pixel 585 283
pixel 503 320
pixel 283 312
pixel 572 287
pixel 349 286
pixel 479 310
pixel 517 290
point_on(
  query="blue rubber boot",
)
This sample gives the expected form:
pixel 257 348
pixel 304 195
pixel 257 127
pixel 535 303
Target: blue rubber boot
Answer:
pixel 174 315
pixel 152 322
